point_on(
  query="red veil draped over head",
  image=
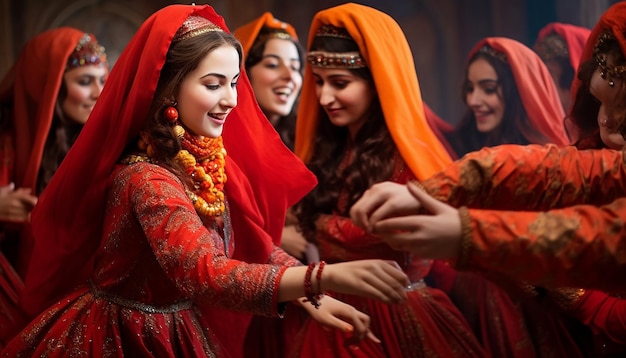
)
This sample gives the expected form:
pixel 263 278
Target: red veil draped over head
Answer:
pixel 575 38
pixel 32 85
pixel 264 177
pixel 535 85
pixel 614 20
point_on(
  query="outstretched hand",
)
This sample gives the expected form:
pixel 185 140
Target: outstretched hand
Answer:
pixel 436 236
pixel 383 200
pixel 377 279
pixel 339 315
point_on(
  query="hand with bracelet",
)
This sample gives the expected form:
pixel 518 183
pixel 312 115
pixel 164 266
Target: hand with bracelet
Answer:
pixel 378 279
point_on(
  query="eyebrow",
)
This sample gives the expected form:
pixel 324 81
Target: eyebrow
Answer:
pixel 279 58
pixel 487 81
pixel 218 75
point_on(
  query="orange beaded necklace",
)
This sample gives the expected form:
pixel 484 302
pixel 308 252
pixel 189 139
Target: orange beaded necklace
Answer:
pixel 204 158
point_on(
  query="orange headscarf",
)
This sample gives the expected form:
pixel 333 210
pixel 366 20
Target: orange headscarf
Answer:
pixel 32 86
pixel 535 86
pixel 264 177
pixel 384 48
pixel 575 38
pixel 248 33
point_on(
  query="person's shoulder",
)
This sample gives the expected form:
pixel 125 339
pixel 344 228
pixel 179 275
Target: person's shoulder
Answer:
pixel 143 172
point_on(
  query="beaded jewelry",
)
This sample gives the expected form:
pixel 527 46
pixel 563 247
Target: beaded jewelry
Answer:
pixel 605 41
pixel 313 298
pixel 87 52
pixel 493 53
pixel 552 47
pixel 204 158
pixel 348 60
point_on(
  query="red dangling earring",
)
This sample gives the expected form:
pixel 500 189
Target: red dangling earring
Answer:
pixel 171 113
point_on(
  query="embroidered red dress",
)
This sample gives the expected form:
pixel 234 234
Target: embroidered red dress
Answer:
pixel 427 324
pixel 572 242
pixel 157 261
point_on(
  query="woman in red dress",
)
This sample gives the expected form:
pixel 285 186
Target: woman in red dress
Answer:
pixel 45 99
pixel 148 234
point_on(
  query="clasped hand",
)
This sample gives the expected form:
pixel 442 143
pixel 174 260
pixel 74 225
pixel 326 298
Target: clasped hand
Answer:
pixel 409 219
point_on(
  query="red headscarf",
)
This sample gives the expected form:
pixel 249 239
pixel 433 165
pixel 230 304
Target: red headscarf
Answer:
pixel 386 52
pixel 32 86
pixel 248 33
pixel 68 218
pixel 535 86
pixel 613 19
pixel 575 38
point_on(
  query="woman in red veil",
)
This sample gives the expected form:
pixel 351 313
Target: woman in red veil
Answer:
pixel 160 220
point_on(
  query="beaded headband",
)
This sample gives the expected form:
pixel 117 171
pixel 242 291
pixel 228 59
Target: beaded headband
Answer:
pixel 493 53
pixel 345 60
pixel 194 26
pixel 87 52
pixel 605 41
pixel 273 34
pixel 552 46
pixel 332 31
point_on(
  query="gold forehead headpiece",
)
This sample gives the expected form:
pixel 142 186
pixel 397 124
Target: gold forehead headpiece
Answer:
pixel 87 52
pixel 345 60
pixel 600 52
pixel 552 46
pixel 194 26
pixel 493 53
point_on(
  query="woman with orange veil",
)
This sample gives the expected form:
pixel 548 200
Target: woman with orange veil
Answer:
pixel 360 121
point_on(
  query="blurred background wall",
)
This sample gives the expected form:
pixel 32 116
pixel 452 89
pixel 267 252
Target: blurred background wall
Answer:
pixel 440 32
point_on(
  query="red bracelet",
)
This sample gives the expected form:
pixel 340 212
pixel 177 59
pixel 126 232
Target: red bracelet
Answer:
pixel 308 290
pixel 318 276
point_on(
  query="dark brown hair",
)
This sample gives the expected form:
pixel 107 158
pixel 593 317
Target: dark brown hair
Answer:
pixel 286 125
pixel 183 57
pixel 515 127
pixel 584 113
pixel 372 153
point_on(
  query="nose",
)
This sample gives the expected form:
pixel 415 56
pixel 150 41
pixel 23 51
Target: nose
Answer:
pixel 287 72
pixel 326 95
pixel 96 89
pixel 229 99
pixel 473 98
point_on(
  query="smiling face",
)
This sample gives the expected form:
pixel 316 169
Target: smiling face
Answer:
pixel 483 94
pixel 607 96
pixel 276 79
pixel 209 93
pixel 84 85
pixel 344 96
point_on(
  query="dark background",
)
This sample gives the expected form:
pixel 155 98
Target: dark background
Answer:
pixel 440 32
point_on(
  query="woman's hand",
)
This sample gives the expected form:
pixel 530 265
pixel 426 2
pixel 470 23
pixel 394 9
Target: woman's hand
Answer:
pixel 336 314
pixel 377 279
pixel 381 201
pixel 16 204
pixel 435 236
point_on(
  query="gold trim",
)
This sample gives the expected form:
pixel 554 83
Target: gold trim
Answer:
pixel 347 60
